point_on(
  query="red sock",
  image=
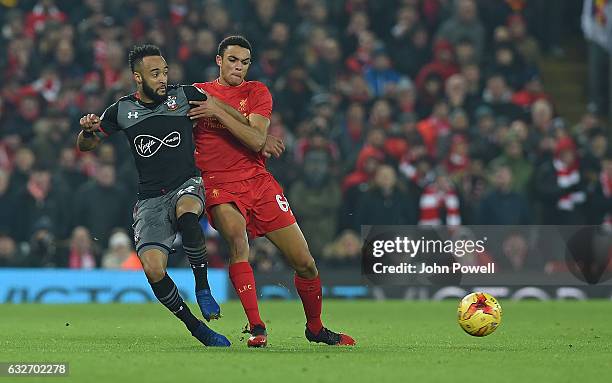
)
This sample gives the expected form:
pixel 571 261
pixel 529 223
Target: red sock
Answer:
pixel 309 291
pixel 243 280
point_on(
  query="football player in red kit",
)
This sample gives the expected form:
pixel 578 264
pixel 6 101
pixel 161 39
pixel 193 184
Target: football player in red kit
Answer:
pixel 242 197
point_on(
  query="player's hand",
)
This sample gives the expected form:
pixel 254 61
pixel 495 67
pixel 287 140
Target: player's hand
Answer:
pixel 90 123
pixel 273 147
pixel 202 109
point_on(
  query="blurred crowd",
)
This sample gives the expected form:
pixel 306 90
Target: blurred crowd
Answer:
pixel 426 112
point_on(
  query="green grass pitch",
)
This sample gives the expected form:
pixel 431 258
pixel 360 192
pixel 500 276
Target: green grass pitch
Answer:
pixel 397 341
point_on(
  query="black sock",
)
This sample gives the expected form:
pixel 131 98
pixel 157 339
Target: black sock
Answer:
pixel 194 245
pixel 166 291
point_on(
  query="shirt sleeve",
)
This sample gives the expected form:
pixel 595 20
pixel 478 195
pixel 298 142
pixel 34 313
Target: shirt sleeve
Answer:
pixel 194 93
pixel 108 121
pixel 261 100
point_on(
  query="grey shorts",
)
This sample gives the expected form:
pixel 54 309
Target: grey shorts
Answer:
pixel 155 218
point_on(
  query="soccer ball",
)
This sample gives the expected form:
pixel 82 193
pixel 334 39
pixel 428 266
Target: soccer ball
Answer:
pixel 479 314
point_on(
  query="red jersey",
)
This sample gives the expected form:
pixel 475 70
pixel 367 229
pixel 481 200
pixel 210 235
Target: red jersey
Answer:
pixel 219 155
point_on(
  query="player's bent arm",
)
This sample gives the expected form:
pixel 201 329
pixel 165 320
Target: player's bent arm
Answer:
pixel 253 134
pixel 240 118
pixel 87 141
pixel 232 112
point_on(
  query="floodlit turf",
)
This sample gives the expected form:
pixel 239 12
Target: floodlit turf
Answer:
pixel 397 342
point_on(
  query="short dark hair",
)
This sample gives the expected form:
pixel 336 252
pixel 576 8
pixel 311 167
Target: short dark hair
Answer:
pixel 141 51
pixel 233 40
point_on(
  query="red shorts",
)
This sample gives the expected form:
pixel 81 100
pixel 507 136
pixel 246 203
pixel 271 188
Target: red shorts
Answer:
pixel 260 200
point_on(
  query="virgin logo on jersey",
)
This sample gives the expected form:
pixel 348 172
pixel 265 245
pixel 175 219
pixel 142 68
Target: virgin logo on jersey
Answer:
pixel 147 145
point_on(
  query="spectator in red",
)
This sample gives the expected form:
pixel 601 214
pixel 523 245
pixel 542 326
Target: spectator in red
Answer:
pixel 81 253
pixel 399 140
pixel 531 92
pixel 367 162
pixel 178 10
pixel 316 139
pixel 443 63
pixel 560 186
pixel 439 203
pixel 362 57
pixel 458 159
pixel 356 184
pixel 43 12
pixel 416 165
pixel 434 126
pixel 600 196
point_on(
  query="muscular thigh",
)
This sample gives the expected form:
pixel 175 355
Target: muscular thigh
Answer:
pixel 229 221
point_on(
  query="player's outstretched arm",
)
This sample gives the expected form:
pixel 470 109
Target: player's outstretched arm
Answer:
pixel 87 139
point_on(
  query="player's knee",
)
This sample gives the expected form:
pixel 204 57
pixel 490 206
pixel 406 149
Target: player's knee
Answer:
pixel 238 244
pixel 155 271
pixel 305 266
pixel 180 210
pixel 239 248
pixel 187 205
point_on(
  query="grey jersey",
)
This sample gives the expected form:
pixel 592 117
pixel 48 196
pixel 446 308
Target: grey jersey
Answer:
pixel 160 136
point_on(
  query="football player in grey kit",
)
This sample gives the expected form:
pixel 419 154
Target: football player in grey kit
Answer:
pixel 170 191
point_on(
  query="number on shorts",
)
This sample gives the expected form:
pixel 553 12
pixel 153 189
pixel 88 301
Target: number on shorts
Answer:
pixel 282 202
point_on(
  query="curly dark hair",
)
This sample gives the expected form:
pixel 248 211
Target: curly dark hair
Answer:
pixel 233 40
pixel 141 51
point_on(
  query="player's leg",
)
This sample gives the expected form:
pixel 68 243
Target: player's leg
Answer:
pixel 154 261
pixel 291 242
pixel 230 222
pixel 189 207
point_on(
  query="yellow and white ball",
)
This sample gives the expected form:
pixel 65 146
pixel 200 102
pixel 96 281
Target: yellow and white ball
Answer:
pixel 479 314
